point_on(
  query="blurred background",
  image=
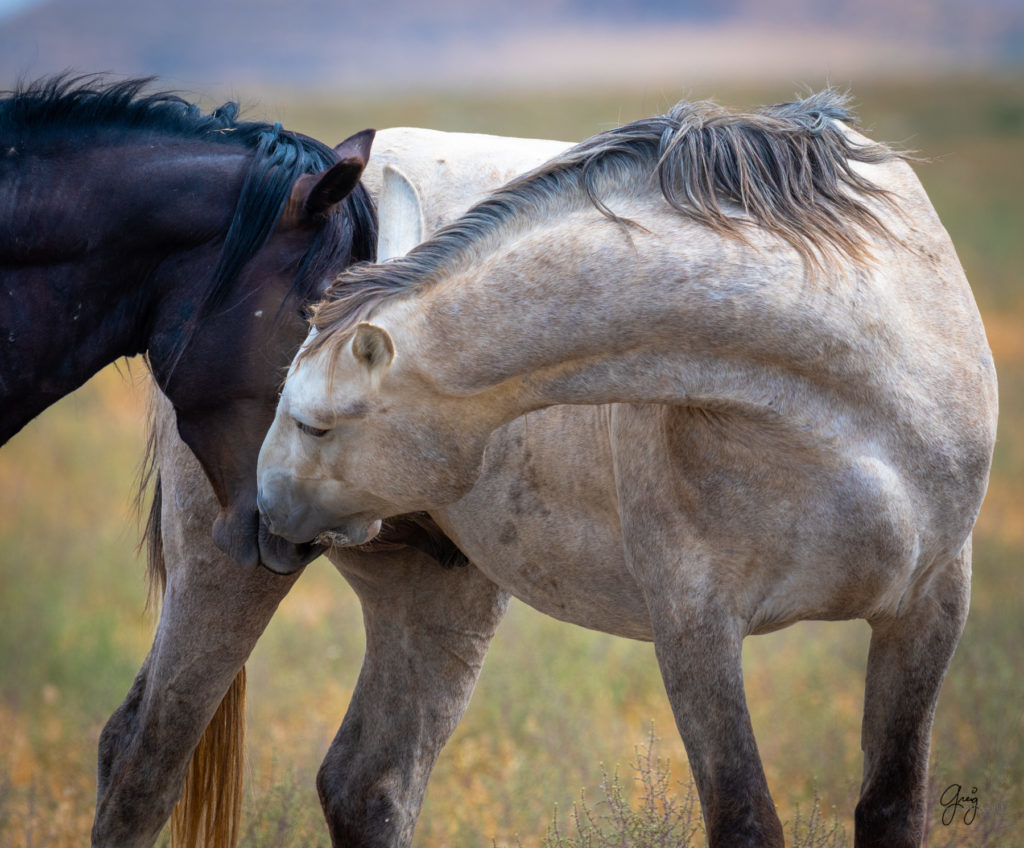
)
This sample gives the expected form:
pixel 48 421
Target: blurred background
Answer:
pixel 345 47
pixel 555 704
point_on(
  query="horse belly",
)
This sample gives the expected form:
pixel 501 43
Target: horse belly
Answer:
pixel 542 521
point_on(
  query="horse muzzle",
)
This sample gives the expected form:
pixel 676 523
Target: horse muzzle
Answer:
pixel 290 513
pixel 289 517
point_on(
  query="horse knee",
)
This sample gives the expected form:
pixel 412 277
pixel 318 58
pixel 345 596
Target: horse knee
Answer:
pixel 363 812
pixel 118 730
pixel 128 814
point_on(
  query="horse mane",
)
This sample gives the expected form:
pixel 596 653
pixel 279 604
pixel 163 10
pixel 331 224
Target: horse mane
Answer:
pixel 785 169
pixel 61 109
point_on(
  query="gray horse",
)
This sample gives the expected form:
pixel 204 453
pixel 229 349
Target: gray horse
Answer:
pixel 803 429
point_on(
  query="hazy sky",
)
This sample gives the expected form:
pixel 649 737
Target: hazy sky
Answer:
pixel 8 7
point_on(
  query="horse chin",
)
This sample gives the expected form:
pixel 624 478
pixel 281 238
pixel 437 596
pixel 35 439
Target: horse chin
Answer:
pixel 351 535
pixel 283 557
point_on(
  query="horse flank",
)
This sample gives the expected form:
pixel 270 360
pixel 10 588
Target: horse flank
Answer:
pixel 785 169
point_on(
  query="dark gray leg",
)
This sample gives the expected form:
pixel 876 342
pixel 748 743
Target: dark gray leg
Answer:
pixel 691 592
pixel 907 662
pixel 213 612
pixel 427 632
pixel 699 653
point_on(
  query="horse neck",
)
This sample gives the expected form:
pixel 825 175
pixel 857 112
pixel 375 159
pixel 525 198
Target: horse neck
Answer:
pixel 582 311
pixel 89 238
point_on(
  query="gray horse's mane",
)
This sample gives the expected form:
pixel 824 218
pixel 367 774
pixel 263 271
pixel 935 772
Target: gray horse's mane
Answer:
pixel 785 169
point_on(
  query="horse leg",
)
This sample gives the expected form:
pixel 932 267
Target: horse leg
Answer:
pixel 212 614
pixel 698 646
pixel 698 642
pixel 690 590
pixel 427 631
pixel 907 662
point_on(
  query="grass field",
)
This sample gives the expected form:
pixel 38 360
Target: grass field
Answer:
pixel 555 704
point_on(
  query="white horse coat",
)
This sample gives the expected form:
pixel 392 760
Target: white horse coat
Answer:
pixel 792 445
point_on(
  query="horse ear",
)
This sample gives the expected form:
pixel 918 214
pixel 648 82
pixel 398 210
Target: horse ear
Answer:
pixel 399 213
pixel 373 347
pixel 314 195
pixel 357 146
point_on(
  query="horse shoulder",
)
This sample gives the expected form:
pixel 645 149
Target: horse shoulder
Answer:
pixel 542 520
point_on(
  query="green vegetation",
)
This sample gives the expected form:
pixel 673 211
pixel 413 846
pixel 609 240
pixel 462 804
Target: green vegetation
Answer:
pixel 554 702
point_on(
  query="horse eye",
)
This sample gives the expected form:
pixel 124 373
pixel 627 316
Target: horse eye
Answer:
pixel 315 432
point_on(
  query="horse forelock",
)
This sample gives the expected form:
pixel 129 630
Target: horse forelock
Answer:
pixel 281 157
pixel 785 169
pixel 352 297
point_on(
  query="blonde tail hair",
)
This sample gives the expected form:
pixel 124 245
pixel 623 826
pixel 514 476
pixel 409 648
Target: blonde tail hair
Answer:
pixel 209 812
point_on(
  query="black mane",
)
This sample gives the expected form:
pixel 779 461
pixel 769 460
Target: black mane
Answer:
pixel 68 107
pixel 68 103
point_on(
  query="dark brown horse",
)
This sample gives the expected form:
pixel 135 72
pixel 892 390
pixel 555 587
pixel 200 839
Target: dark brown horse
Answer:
pixel 134 223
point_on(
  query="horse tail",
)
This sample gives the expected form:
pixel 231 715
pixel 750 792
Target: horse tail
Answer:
pixel 209 811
